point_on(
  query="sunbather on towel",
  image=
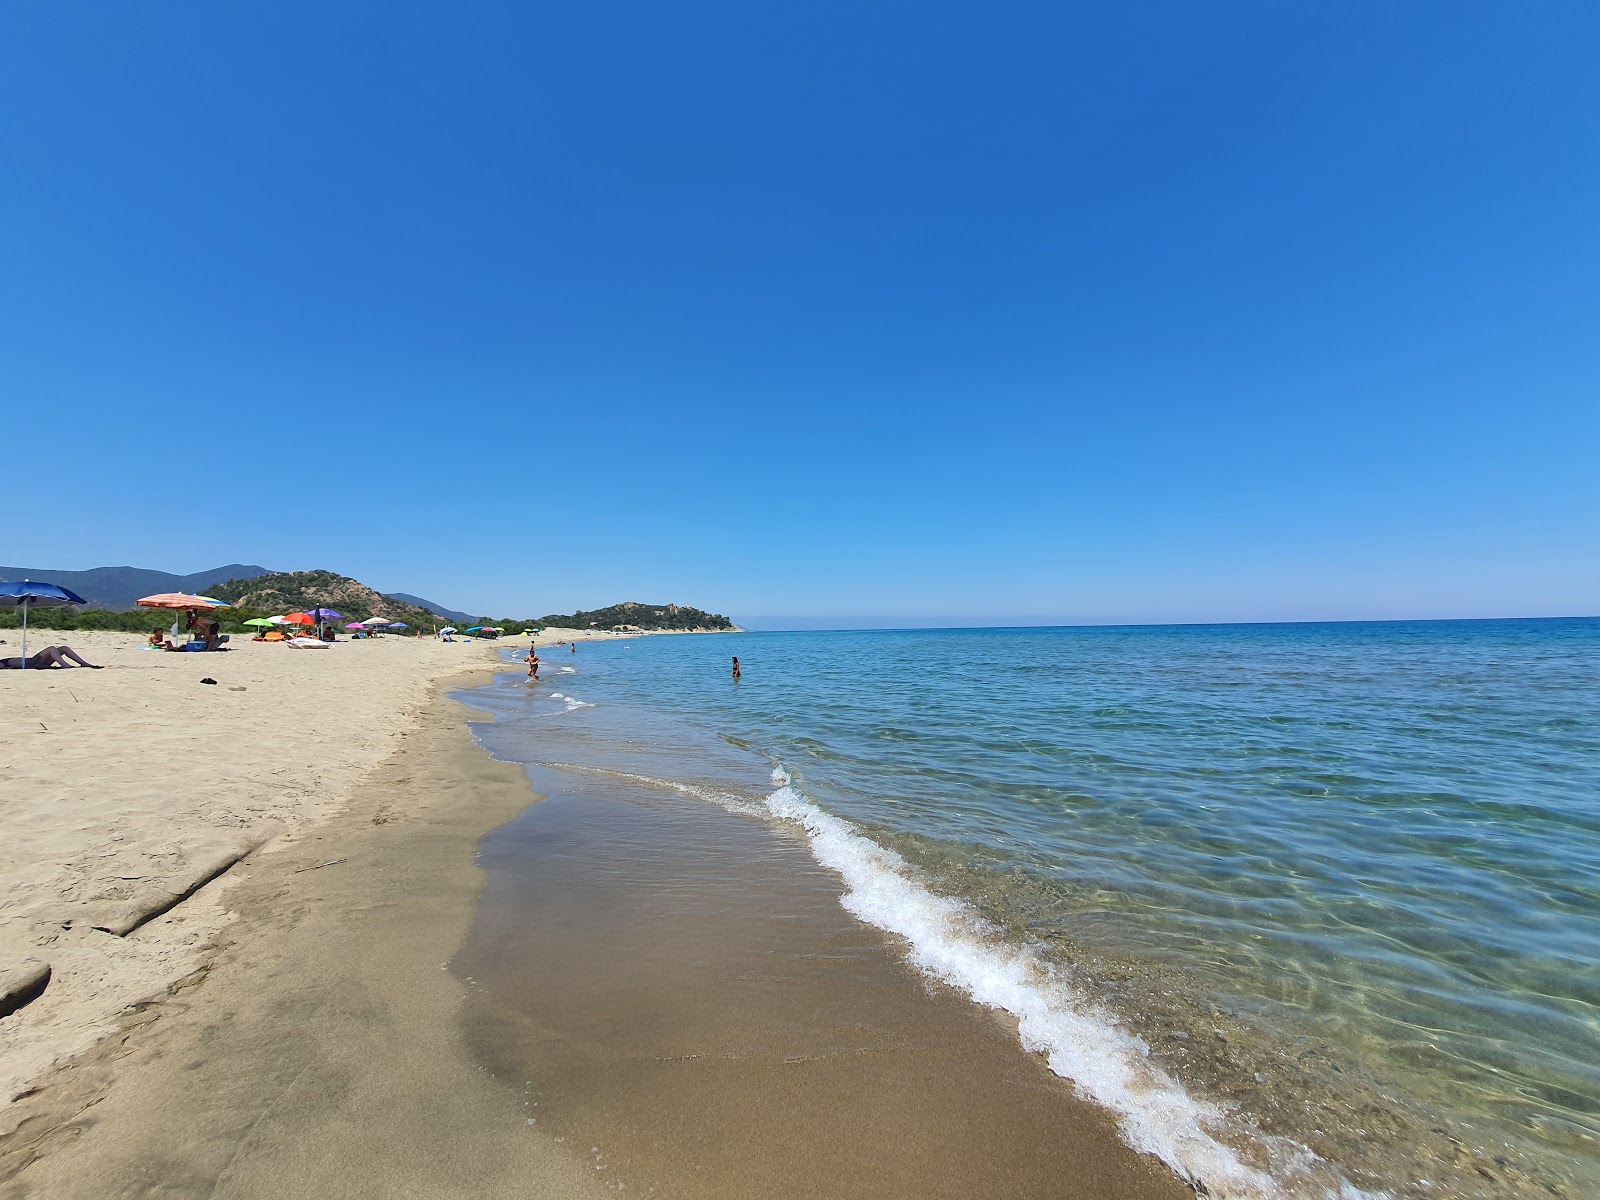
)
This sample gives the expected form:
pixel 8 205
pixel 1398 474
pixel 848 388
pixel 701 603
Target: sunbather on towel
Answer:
pixel 50 656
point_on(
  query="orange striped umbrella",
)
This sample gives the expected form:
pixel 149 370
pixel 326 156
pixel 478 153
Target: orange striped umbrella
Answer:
pixel 178 600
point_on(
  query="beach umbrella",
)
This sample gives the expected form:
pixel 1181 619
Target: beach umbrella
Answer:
pixel 376 621
pixel 397 625
pixel 262 621
pixel 324 614
pixel 355 625
pixel 448 629
pixel 178 601
pixel 297 619
pixel 474 628
pixel 26 594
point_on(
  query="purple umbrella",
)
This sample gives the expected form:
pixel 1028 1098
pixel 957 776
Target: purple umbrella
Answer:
pixel 323 614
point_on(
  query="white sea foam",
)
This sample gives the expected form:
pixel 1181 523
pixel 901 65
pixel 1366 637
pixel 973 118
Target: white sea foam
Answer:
pixel 1082 1043
pixel 566 670
pixel 573 703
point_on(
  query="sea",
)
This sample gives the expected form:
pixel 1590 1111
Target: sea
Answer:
pixel 1310 909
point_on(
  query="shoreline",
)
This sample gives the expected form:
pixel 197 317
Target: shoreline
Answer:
pixel 1243 1092
pixel 318 1044
pixel 677 987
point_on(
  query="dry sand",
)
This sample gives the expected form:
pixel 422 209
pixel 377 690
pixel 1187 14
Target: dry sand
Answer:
pixel 123 790
pixel 315 1053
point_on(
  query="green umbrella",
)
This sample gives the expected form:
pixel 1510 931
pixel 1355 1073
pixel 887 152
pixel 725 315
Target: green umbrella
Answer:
pixel 259 621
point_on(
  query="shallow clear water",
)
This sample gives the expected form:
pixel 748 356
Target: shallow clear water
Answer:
pixel 1366 857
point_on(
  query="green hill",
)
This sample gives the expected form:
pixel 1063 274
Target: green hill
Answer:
pixel 294 591
pixel 643 616
pixel 270 593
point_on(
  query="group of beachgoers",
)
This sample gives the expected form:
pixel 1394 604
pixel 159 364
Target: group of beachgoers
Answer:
pixel 533 659
pixel 205 633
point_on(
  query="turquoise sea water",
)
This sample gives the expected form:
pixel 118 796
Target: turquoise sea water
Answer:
pixel 1340 883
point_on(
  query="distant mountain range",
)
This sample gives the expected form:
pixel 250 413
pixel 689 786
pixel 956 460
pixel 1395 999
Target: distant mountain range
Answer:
pixel 456 615
pixel 116 588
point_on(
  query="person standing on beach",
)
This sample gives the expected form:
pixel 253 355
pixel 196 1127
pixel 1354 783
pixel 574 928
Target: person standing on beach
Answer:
pixel 533 663
pixel 736 666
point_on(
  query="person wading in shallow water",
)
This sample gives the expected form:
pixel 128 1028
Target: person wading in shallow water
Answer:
pixel 736 666
pixel 533 663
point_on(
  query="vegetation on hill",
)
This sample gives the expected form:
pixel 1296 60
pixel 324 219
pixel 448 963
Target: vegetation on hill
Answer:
pixel 259 596
pixel 641 616
pixel 297 591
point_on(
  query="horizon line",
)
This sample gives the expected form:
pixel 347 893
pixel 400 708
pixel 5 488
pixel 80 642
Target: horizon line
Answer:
pixel 744 623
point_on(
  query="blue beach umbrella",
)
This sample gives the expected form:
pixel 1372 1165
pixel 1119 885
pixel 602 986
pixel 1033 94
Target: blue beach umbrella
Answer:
pixel 28 594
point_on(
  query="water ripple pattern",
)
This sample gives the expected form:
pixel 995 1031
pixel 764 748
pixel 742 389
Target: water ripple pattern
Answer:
pixel 1382 836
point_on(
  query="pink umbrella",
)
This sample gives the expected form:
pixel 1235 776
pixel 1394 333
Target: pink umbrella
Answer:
pixel 355 625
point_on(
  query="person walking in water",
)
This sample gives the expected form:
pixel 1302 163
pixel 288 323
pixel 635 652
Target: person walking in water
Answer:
pixel 736 666
pixel 533 663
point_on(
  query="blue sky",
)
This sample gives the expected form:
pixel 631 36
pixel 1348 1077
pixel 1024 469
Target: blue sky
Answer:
pixel 1063 312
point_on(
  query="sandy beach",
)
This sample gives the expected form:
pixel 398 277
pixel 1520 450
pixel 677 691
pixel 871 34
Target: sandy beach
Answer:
pixel 127 789
pixel 247 900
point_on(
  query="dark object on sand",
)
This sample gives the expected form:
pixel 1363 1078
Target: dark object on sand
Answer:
pixel 208 679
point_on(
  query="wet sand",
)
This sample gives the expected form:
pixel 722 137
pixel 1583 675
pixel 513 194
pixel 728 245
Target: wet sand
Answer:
pixel 681 997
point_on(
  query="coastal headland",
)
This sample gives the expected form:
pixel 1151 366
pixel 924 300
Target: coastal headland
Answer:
pixel 245 896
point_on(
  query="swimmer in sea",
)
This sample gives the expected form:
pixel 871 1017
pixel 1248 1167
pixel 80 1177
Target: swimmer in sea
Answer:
pixel 736 666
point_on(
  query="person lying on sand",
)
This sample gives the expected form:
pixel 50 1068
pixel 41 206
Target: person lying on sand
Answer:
pixel 50 656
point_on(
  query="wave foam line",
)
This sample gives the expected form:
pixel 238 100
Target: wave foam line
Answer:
pixel 1106 1064
pixel 731 801
pixel 1082 1044
pixel 573 703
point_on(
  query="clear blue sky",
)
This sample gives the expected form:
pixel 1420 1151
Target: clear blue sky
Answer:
pixel 1114 311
